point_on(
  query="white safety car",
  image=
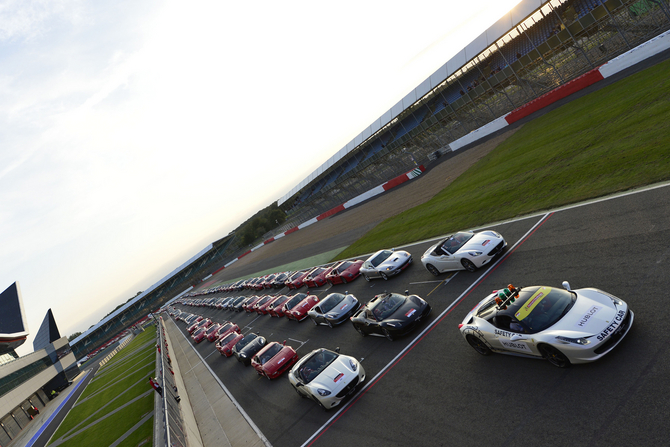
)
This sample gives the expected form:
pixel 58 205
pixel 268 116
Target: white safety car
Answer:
pixel 464 250
pixel 327 377
pixel 564 326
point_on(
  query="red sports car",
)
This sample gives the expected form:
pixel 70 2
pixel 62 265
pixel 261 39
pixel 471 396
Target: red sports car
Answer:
pixel 344 272
pixel 202 323
pixel 226 329
pixel 225 344
pixel 264 308
pixel 248 305
pixel 274 359
pixel 276 308
pixel 317 277
pixel 296 280
pixel 299 312
pixel 199 334
pixel 211 331
pixel 262 303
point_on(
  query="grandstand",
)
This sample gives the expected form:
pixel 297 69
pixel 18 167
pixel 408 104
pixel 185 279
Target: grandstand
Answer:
pixel 536 47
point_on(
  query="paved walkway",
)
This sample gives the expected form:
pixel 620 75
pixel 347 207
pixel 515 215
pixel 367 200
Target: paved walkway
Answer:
pixel 220 422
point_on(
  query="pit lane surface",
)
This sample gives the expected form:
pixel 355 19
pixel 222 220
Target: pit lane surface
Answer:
pixel 441 392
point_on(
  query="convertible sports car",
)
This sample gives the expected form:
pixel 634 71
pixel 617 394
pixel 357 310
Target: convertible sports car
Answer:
pixel 299 311
pixel 246 348
pixel 276 308
pixel 334 309
pixel 326 377
pixel 344 272
pixel 391 315
pixel 274 359
pixel 564 326
pixel 225 344
pixel 385 263
pixel 463 251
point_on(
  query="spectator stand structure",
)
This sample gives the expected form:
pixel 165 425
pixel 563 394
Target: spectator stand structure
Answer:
pixel 537 47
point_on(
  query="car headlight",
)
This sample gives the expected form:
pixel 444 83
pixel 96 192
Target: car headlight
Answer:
pixel 243 356
pixel 579 341
pixel 331 316
pixel 475 253
pixel 394 324
pixel 353 364
pixel 323 392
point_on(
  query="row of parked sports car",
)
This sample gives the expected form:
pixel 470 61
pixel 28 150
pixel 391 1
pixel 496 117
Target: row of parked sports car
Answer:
pixel 564 326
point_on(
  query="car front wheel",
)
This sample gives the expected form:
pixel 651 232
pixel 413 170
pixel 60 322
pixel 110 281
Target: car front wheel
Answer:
pixel 432 269
pixel 478 345
pixel 387 334
pixel 384 277
pixel 360 331
pixel 468 265
pixel 366 277
pixel 555 357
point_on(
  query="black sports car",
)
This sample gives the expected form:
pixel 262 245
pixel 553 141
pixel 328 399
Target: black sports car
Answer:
pixel 391 315
pixel 249 346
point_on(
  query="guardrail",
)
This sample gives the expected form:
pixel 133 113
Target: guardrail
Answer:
pixel 172 433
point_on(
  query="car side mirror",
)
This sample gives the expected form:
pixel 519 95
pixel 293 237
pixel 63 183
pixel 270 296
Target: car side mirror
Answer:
pixel 566 286
pixel 337 349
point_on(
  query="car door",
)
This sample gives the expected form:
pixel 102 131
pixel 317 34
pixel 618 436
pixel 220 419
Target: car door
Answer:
pixel 446 261
pixel 370 323
pixel 317 315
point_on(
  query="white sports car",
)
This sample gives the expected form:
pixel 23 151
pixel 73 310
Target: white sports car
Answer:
pixel 464 250
pixel 564 326
pixel 326 377
pixel 385 263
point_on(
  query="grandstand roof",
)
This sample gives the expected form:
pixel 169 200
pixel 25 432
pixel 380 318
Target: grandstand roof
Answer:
pixel 479 44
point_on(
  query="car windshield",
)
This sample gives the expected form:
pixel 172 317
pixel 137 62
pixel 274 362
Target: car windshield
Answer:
pixel 344 266
pixel 269 353
pixel 264 300
pixel 228 338
pixel 279 301
pixel 381 257
pixel 245 341
pixel 538 308
pixel 454 243
pixel 212 329
pixel 198 332
pixel 313 366
pixel 385 307
pixel 225 327
pixel 295 300
pixel 331 301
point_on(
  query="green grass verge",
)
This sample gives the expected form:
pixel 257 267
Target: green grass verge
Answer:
pixel 611 140
pixel 143 436
pixel 109 430
pixel 148 334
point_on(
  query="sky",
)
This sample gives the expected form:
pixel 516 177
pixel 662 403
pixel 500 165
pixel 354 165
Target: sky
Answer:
pixel 135 133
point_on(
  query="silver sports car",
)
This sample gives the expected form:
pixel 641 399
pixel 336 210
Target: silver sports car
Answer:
pixel 334 309
pixel 564 326
pixel 464 250
pixel 385 263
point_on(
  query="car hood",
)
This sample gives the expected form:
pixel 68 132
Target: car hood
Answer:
pixel 483 241
pixel 336 376
pixel 396 259
pixel 593 312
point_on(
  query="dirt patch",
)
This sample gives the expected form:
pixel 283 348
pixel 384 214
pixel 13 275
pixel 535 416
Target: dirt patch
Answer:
pixel 364 217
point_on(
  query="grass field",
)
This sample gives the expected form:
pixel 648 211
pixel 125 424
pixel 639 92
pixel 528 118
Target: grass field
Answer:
pixel 120 384
pixel 614 139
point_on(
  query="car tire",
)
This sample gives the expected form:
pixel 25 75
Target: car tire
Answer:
pixel 387 334
pixel 299 393
pixel 384 277
pixel 344 280
pixel 468 265
pixel 432 269
pixel 360 331
pixel 478 345
pixel 554 356
pixel 366 277
pixel 330 325
pixel 315 322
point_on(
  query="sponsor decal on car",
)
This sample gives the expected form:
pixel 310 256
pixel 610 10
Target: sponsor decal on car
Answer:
pixel 410 313
pixel 486 242
pixel 516 345
pixel 344 307
pixel 338 378
pixel 532 302
pixel 588 316
pixel 612 328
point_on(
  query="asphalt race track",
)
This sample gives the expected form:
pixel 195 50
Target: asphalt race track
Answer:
pixel 431 388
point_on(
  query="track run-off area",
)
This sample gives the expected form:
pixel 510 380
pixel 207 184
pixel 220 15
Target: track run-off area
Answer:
pixel 432 388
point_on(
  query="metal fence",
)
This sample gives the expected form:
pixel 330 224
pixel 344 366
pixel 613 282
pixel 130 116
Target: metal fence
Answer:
pixel 172 433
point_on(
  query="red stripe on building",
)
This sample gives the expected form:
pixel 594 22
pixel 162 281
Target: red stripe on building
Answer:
pixel 329 213
pixel 561 92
